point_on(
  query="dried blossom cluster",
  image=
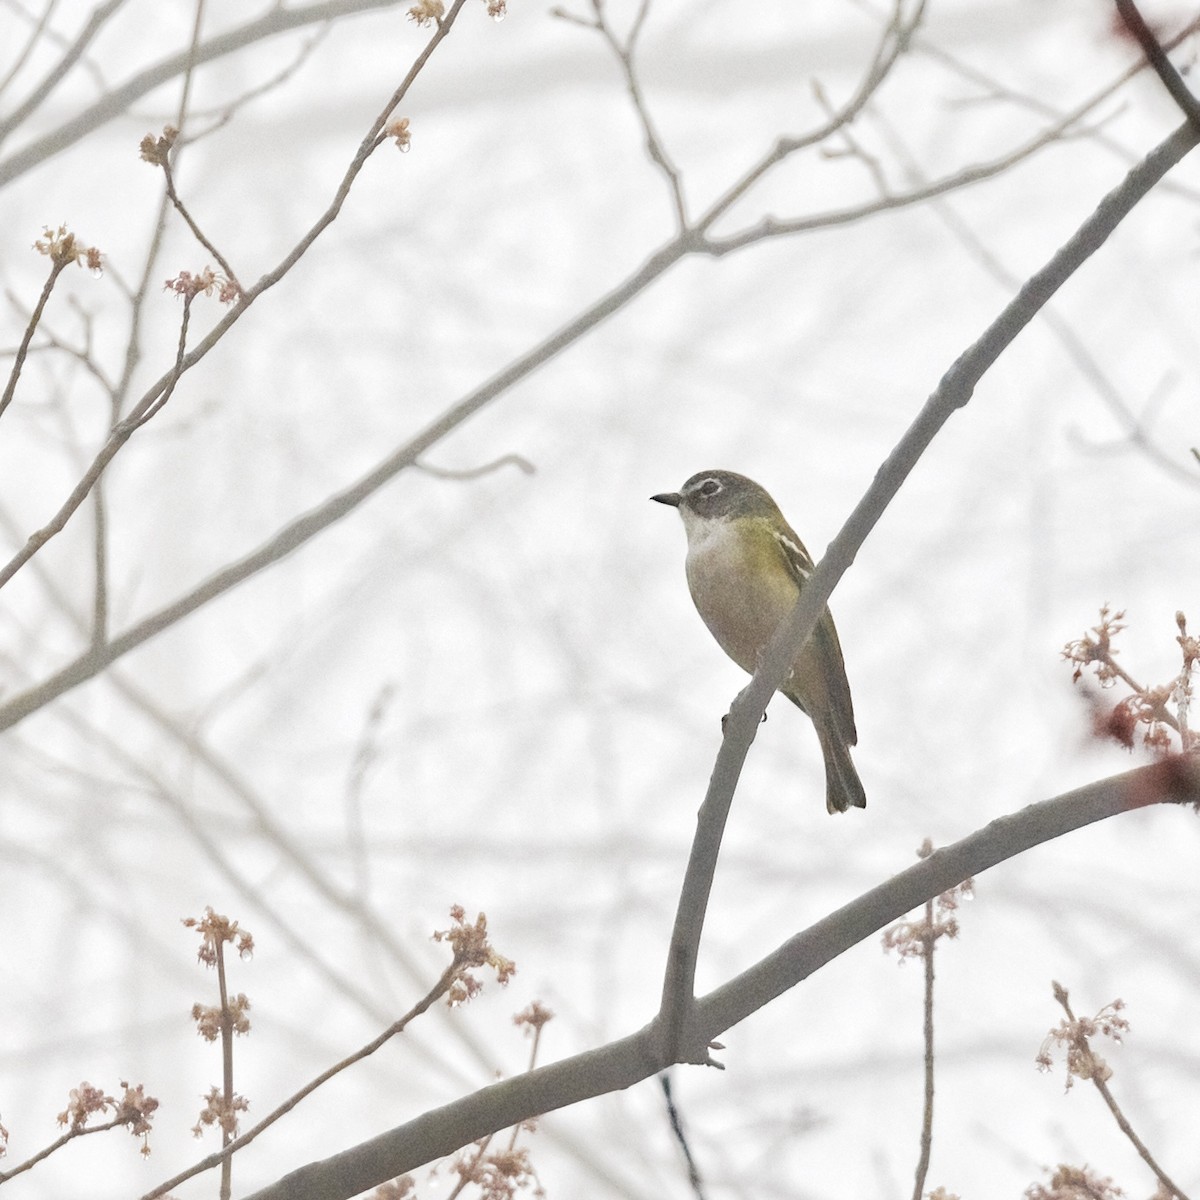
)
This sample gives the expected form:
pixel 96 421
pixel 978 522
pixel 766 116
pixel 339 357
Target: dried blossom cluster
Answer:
pixel 427 12
pixel 399 131
pixel 61 247
pixel 156 151
pixel 471 949
pixel 1073 1183
pixel 1148 707
pixel 215 930
pixel 208 1017
pixel 1074 1033
pixel 499 1176
pixel 431 12
pixel 1096 647
pixel 532 1019
pixel 207 282
pixel 134 1110
pixel 221 1112
pixel 915 938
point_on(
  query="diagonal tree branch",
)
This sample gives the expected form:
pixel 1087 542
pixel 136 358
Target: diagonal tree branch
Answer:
pixel 629 1060
pixel 308 525
pixel 297 532
pixel 154 397
pixel 1156 56
pixel 95 23
pixel 953 393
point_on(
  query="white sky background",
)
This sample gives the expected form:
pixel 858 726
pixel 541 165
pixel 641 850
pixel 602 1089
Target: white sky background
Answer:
pixel 554 702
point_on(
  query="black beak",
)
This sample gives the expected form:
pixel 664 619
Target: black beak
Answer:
pixel 674 499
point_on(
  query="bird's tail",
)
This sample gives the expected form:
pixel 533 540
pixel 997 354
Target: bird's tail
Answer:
pixel 843 788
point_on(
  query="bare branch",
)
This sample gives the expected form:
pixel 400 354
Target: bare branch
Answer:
pixel 892 43
pixel 1099 1079
pixel 953 393
pixel 153 398
pixel 276 20
pixel 1137 429
pixel 99 18
pixel 505 460
pixel 1156 56
pixel 308 525
pixel 223 114
pixel 222 1157
pixel 35 35
pixel 57 266
pixel 629 1060
pixel 624 53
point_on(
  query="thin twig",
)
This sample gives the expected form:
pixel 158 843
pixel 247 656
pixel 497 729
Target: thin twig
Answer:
pixel 277 19
pixel 469 1171
pixel 309 525
pixel 365 754
pixel 1070 341
pixel 673 1115
pixel 1162 65
pixel 927 1117
pixel 99 18
pixel 57 266
pixel 153 399
pixel 118 395
pixel 81 354
pixel 227 1094
pixel 199 234
pixel 891 45
pixel 505 460
pixel 35 36
pixel 99 632
pixel 1036 104
pixel 125 428
pixel 56 1145
pixel 228 110
pixel 770 227
pixel 167 160
pixel 431 997
pixel 655 147
pixel 1060 994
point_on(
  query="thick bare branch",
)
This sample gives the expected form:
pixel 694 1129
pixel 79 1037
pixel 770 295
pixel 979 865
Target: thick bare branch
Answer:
pixel 953 393
pixel 623 1063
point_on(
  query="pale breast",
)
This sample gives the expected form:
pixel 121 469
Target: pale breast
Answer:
pixel 739 586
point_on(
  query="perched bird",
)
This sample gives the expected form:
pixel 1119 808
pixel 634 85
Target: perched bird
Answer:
pixel 745 569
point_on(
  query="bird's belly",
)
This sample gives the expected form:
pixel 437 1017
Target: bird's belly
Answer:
pixel 740 599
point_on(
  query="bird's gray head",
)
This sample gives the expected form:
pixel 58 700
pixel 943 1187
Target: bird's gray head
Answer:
pixel 720 495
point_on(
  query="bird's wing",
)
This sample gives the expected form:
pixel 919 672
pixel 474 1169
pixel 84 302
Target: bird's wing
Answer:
pixel 824 639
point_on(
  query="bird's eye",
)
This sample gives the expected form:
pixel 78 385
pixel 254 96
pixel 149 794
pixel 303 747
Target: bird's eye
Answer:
pixel 710 487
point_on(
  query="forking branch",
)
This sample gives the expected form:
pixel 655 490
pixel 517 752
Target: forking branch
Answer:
pixel 696 239
pixel 629 1060
pixel 953 392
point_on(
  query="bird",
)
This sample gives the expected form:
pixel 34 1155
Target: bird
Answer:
pixel 745 569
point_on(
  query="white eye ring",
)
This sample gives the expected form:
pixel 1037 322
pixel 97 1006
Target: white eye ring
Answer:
pixel 710 487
